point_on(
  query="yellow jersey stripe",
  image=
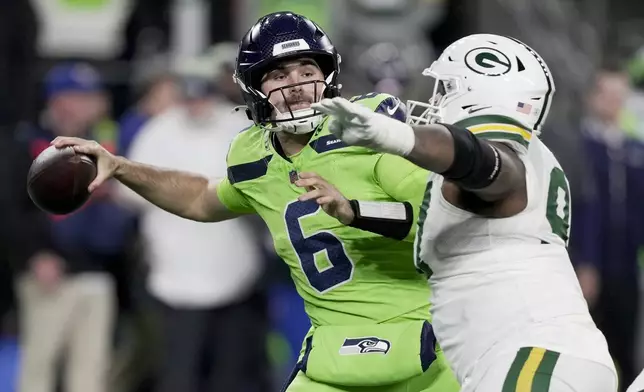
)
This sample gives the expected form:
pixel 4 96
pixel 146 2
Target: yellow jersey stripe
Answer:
pixel 479 129
pixel 510 383
pixel 526 377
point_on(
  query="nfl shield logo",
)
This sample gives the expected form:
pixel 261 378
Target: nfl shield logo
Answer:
pixel 524 108
pixel 293 176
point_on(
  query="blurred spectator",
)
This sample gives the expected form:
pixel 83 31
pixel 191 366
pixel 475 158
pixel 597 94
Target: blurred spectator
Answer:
pixel 18 31
pixel 23 230
pixel 633 118
pixel 66 295
pixel 369 30
pixel 203 276
pixel 160 94
pixel 385 68
pixel 607 227
pixel 23 234
pixel 224 55
pixel 89 29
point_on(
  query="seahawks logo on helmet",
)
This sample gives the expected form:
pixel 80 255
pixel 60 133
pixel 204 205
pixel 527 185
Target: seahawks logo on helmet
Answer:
pixel 488 61
pixel 366 345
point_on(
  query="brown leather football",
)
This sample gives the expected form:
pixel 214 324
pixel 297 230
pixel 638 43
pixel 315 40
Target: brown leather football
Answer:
pixel 58 179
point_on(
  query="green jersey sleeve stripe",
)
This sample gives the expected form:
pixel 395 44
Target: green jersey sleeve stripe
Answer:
pixel 512 378
pixel 541 382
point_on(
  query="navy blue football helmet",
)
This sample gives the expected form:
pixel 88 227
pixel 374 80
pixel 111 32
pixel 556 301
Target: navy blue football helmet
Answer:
pixel 274 38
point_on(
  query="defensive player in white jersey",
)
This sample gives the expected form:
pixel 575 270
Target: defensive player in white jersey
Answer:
pixel 507 307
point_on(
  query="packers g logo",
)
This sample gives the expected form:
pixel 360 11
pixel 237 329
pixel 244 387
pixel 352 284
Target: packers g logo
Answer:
pixel 488 61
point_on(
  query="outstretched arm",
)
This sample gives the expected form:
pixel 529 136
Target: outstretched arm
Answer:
pixel 190 196
pixel 491 170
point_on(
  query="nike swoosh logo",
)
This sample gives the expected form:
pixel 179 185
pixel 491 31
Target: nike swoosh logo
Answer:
pixel 392 111
pixel 478 109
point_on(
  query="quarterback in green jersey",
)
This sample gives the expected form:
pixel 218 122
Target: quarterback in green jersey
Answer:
pixel 350 261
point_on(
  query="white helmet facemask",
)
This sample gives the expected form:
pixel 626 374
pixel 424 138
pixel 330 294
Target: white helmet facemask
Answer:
pixel 432 111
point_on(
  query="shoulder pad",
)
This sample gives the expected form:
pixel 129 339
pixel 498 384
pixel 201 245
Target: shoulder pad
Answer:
pixel 386 104
pixel 248 145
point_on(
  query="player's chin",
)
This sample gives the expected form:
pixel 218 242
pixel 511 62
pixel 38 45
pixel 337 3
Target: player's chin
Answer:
pixel 300 106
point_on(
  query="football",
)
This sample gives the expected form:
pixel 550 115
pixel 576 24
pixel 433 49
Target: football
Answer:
pixel 58 179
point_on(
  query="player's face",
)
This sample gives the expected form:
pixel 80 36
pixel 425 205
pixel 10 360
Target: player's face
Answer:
pixel 293 85
pixel 74 112
pixel 163 94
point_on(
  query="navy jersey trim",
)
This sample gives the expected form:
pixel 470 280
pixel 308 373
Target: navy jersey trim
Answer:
pixel 248 171
pixel 394 108
pixel 247 128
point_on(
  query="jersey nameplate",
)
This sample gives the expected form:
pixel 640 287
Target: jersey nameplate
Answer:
pixel 327 143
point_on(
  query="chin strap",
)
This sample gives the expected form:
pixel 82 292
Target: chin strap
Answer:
pixel 307 126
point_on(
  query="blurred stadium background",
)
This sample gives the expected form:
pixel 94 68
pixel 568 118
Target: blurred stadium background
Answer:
pixel 131 61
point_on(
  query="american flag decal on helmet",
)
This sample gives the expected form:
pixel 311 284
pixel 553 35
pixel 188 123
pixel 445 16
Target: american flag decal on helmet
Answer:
pixel 524 108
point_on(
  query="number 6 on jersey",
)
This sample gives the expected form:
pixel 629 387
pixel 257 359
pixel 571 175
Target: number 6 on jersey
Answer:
pixel 341 269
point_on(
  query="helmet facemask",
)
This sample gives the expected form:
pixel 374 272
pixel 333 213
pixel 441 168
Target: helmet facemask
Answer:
pixel 292 119
pixel 286 116
pixel 445 89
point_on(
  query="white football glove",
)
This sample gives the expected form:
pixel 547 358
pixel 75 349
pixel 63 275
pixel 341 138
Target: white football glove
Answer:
pixel 360 126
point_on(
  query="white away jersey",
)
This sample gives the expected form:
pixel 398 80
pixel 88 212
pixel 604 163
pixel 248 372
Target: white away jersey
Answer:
pixel 501 284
